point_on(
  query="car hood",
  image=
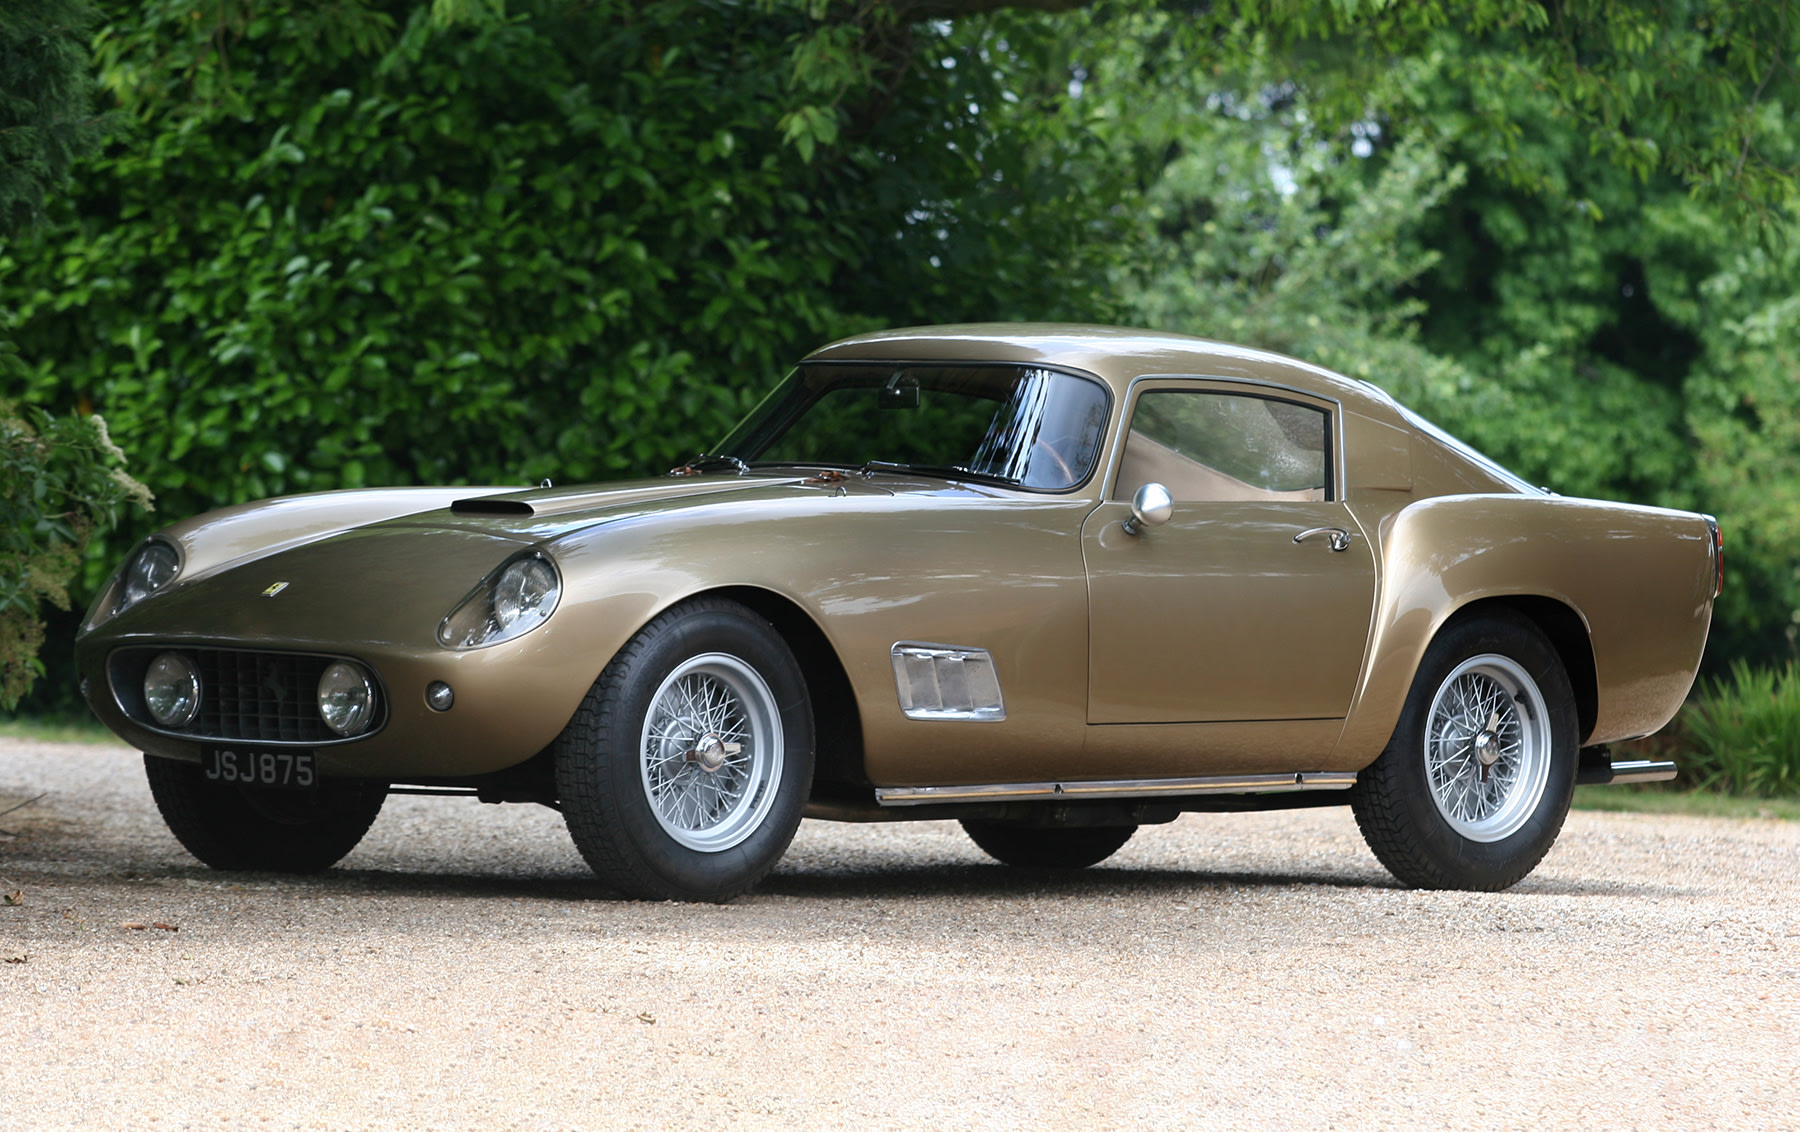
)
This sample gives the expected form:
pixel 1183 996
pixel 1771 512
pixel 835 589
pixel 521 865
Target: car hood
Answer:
pixel 235 536
pixel 291 571
pixel 378 584
pixel 546 514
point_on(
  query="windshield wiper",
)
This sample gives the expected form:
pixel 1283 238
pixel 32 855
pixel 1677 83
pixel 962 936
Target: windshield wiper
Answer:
pixel 947 471
pixel 700 464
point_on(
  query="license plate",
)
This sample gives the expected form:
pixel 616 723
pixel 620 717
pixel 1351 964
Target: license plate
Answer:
pixel 274 770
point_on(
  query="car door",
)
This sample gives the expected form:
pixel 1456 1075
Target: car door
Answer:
pixel 1231 610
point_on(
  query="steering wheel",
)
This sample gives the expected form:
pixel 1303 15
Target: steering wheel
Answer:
pixel 1053 451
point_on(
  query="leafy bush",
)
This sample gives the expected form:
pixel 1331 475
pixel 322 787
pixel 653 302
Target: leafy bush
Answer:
pixel 572 242
pixel 61 479
pixel 1742 734
pixel 57 485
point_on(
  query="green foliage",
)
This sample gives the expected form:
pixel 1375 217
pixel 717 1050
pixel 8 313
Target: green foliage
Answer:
pixel 1693 90
pixel 1644 342
pixel 389 241
pixel 74 730
pixel 47 120
pixel 1743 410
pixel 58 479
pixel 1269 238
pixel 1655 799
pixel 1600 332
pixel 61 479
pixel 567 242
pixel 1742 735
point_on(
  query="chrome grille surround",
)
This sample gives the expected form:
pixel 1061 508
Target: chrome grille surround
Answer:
pixel 258 696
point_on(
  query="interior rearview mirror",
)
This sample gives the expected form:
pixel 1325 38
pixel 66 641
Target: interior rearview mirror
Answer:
pixel 901 392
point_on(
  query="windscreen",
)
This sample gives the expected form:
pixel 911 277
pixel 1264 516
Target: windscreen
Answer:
pixel 1019 425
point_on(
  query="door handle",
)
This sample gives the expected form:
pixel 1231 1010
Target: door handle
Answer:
pixel 1340 538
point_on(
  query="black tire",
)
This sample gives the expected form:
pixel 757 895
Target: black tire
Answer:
pixel 232 827
pixel 603 773
pixel 1394 802
pixel 1034 847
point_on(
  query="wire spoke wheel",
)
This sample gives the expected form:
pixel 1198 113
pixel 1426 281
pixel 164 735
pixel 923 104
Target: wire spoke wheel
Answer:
pixel 711 752
pixel 1487 747
pixel 685 771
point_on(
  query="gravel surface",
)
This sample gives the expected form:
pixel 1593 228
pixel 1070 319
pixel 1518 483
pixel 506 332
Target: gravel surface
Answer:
pixel 461 969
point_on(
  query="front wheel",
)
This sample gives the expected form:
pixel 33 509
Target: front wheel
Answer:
pixel 1472 789
pixel 684 772
pixel 239 827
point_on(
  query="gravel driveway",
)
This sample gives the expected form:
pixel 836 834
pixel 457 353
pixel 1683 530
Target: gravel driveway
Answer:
pixel 461 970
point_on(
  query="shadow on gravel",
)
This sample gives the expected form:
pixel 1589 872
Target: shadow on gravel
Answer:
pixel 1004 880
pixel 426 885
pixel 895 882
pixel 1603 886
pixel 66 855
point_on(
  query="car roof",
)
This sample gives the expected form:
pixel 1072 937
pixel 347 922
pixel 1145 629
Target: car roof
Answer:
pixel 1116 355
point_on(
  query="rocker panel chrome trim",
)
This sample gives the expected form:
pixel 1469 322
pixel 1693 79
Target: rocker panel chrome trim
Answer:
pixel 1122 788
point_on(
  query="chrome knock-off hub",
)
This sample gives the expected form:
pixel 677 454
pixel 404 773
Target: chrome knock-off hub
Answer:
pixel 1487 748
pixel 711 752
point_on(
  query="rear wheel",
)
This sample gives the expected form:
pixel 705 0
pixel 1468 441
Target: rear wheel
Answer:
pixel 235 827
pixel 684 773
pixel 1472 790
pixel 1033 847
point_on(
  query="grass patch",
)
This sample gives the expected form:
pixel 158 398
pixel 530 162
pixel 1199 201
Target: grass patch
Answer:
pixel 1688 803
pixel 1741 735
pixel 58 731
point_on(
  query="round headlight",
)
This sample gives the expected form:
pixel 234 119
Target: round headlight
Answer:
pixel 346 699
pixel 172 690
pixel 524 595
pixel 507 604
pixel 149 570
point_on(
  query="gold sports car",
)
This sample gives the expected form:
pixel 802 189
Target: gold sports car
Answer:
pixel 1055 582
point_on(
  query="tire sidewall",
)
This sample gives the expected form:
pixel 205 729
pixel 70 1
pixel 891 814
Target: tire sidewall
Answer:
pixel 1488 864
pixel 232 827
pixel 716 628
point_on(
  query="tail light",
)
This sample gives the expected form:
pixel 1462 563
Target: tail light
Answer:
pixel 1718 553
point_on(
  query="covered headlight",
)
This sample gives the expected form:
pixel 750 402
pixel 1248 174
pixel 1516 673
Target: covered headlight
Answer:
pixel 152 568
pixel 172 690
pixel 516 599
pixel 346 699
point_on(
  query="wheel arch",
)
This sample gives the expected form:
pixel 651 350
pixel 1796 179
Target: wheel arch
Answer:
pixel 837 724
pixel 1568 635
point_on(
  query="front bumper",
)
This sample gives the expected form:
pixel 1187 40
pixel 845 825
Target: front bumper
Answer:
pixel 511 701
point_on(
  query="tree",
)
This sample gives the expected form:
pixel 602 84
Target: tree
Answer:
pixel 59 481
pixel 47 118
pixel 1602 329
pixel 384 241
pixel 572 242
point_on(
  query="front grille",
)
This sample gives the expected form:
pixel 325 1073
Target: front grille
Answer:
pixel 247 697
pixel 266 697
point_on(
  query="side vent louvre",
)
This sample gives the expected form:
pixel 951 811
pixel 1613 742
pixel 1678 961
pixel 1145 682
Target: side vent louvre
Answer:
pixel 947 682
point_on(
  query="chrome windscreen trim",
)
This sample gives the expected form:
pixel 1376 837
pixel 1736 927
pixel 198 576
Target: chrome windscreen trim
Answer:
pixel 1118 788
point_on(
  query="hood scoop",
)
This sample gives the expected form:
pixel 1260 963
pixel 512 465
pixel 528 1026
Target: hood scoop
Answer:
pixel 491 507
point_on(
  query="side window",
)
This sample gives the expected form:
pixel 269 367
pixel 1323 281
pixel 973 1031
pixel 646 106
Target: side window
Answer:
pixel 1209 446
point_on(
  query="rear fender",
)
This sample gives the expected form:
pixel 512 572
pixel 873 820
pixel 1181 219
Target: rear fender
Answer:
pixel 1639 578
